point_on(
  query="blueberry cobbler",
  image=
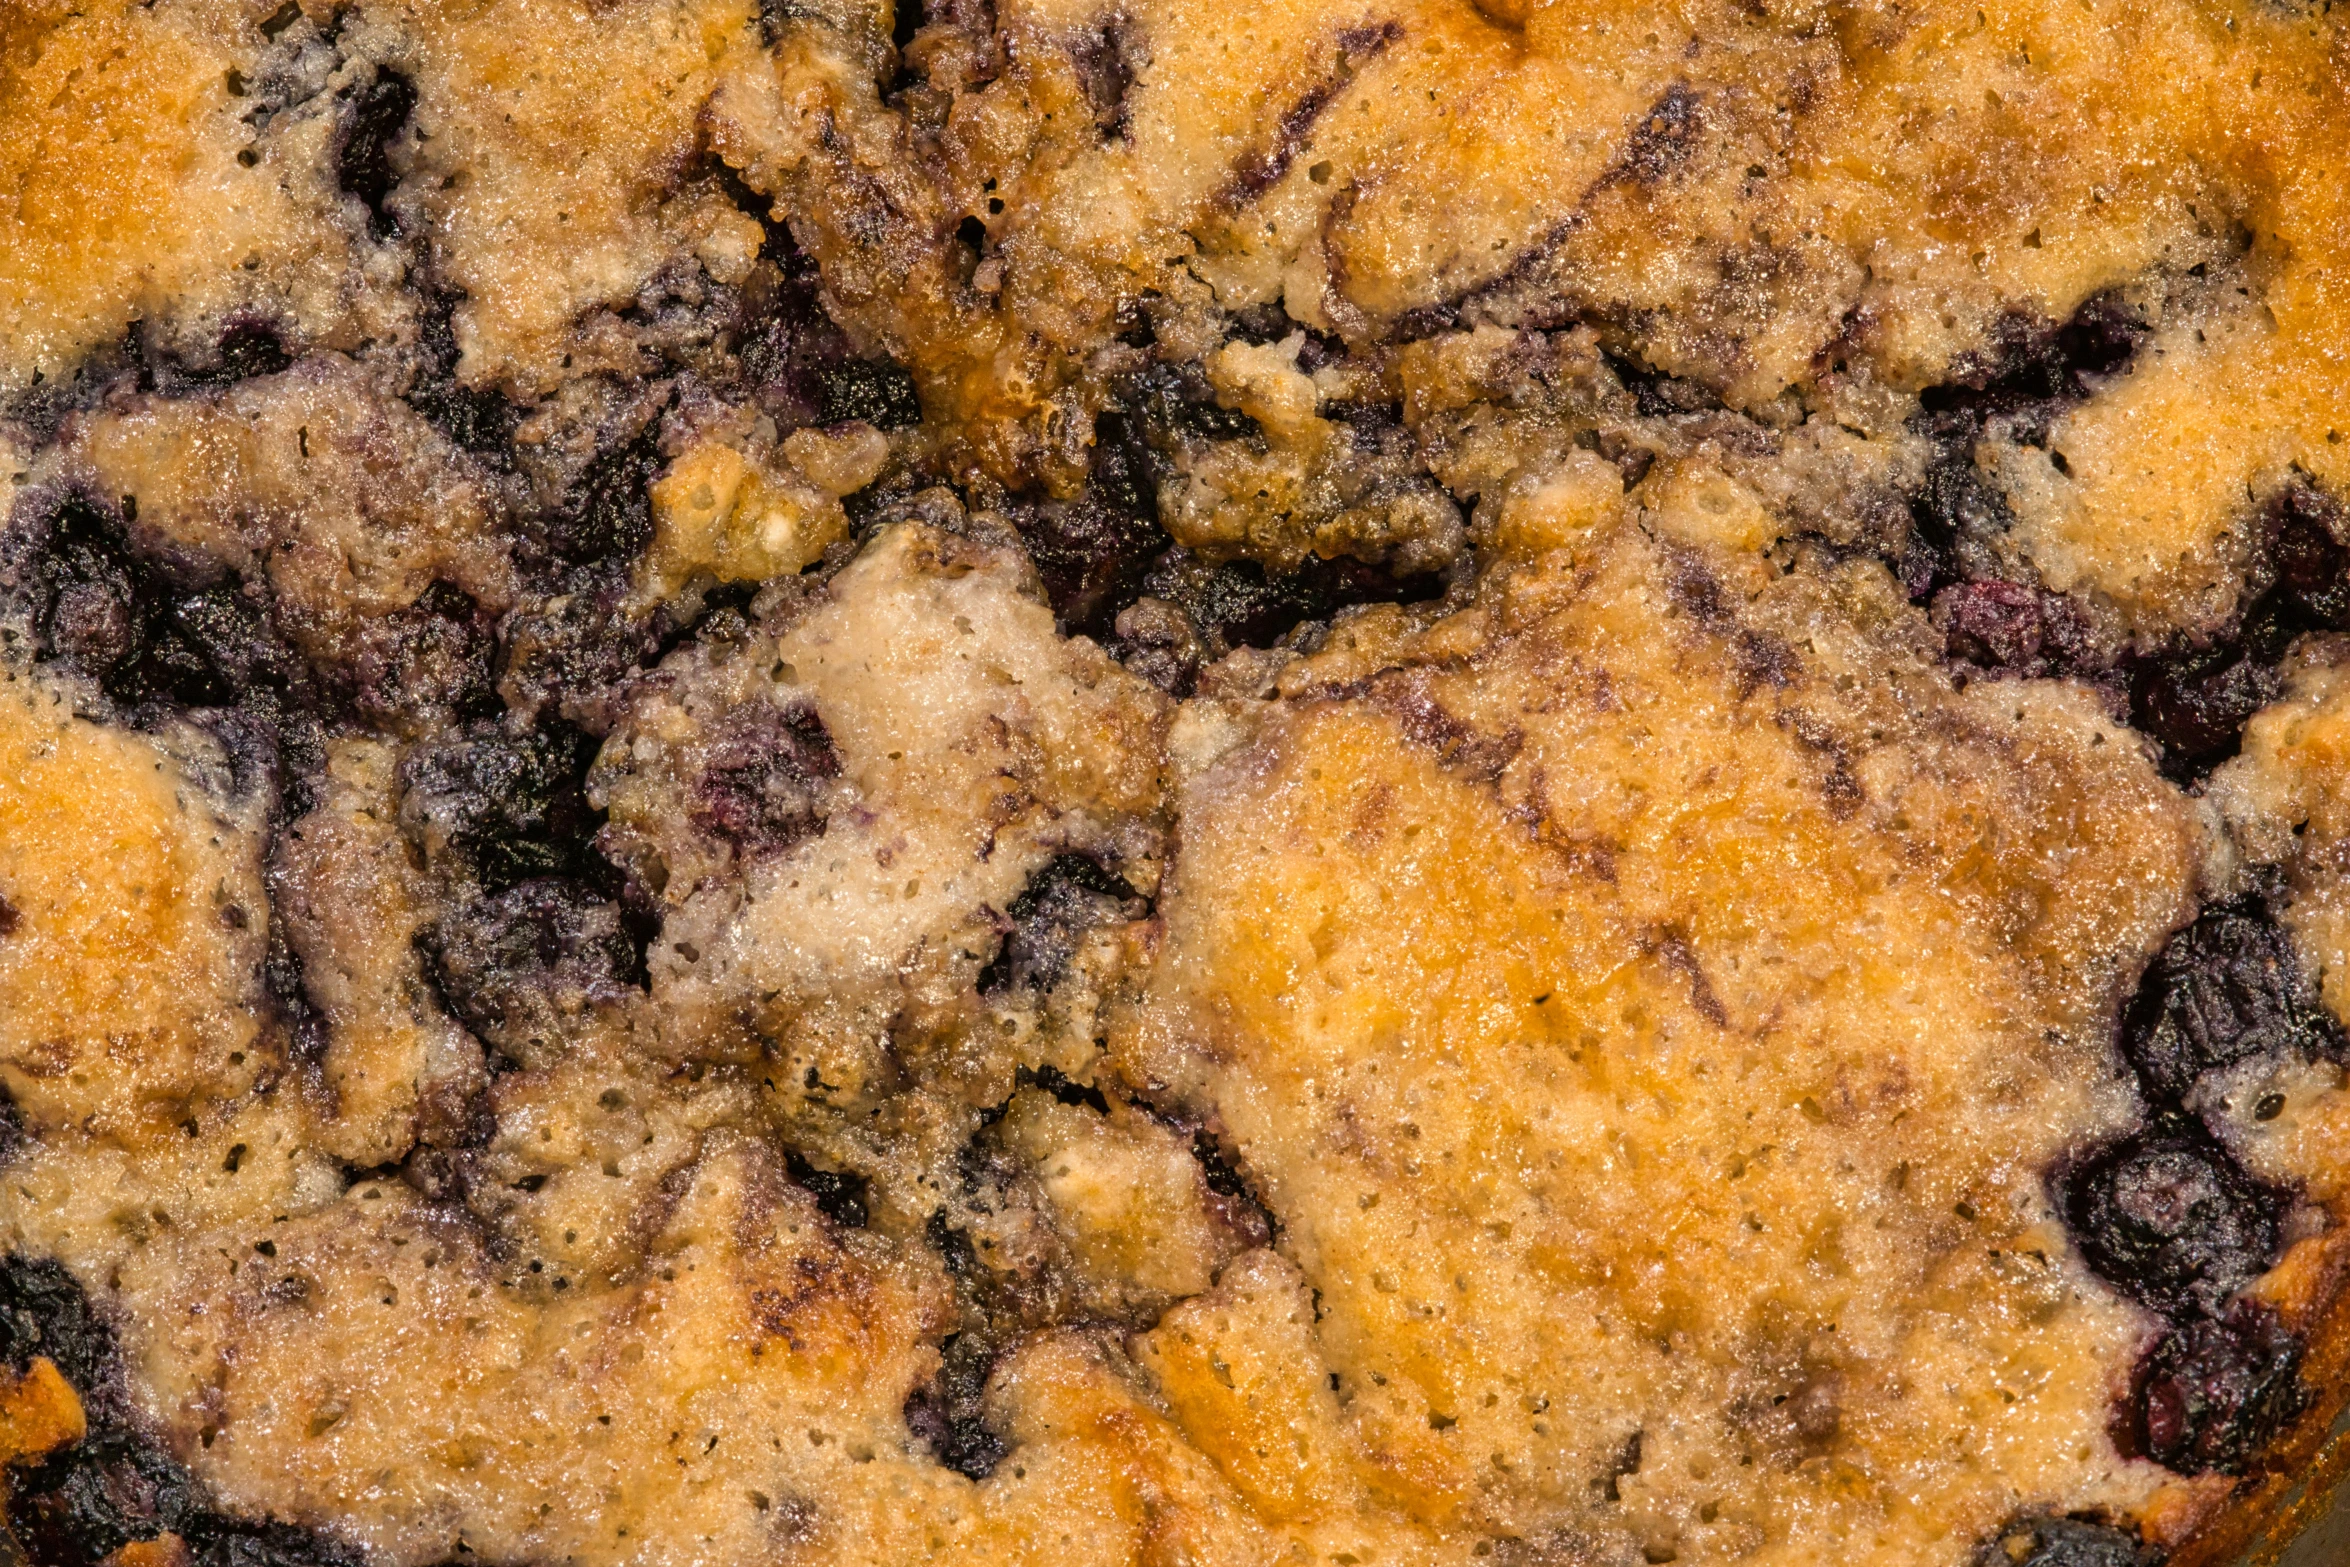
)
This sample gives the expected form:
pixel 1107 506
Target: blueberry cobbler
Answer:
pixel 1553 783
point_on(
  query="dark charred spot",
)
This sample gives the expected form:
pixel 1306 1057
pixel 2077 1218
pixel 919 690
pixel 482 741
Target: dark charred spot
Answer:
pixel 2213 1392
pixel 517 965
pixel 2065 1542
pixel 2167 1217
pixel 761 791
pixel 377 114
pixel 1103 58
pixel 2227 989
pixel 10 919
pixel 840 1194
pixel 608 514
pixel 1050 919
pixel 947 1414
pixel 879 391
pixel 2196 700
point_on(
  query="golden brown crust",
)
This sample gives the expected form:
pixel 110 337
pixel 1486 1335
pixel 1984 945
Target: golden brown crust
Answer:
pixel 1420 782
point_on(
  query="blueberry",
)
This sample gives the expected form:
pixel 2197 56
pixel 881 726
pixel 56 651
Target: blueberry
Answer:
pixel 608 514
pixel 878 391
pixel 2229 988
pixel 2168 1218
pixel 503 806
pixel 376 115
pixel 946 1414
pixel 84 1502
pixel 428 664
pixel 1049 920
pixel 840 1195
pixel 2196 699
pixel 515 965
pixel 760 790
pixel 2214 1391
pixel 2065 1542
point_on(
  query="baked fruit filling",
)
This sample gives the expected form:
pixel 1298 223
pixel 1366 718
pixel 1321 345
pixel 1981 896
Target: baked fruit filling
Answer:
pixel 1335 781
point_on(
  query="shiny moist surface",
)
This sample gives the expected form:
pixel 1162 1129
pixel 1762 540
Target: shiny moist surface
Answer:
pixel 1170 782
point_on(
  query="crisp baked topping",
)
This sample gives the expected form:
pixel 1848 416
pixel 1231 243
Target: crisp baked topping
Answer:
pixel 1323 782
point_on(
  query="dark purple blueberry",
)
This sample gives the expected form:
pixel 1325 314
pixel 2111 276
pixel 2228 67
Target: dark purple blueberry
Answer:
pixel 786 345
pixel 2196 700
pixel 1093 553
pixel 955 1250
pixel 216 1540
pixel 2214 1391
pixel 947 1414
pixel 1662 140
pixel 2168 1218
pixel 1051 917
pixel 840 1194
pixel 145 637
pixel 565 653
pixel 1175 402
pixel 2228 988
pixel 428 664
pixel 1103 58
pixel 608 514
pixel 478 419
pixel 878 391
pixel 375 116
pixel 510 805
pixel 1238 604
pixel 1064 1089
pixel 43 1312
pixel 2066 1542
pixel 1656 395
pixel 2197 704
pixel 249 349
pixel 2032 362
pixel 1260 170
pixel 515 966
pixel 85 1502
pixel 762 789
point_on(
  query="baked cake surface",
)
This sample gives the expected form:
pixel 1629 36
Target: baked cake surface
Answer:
pixel 1337 781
